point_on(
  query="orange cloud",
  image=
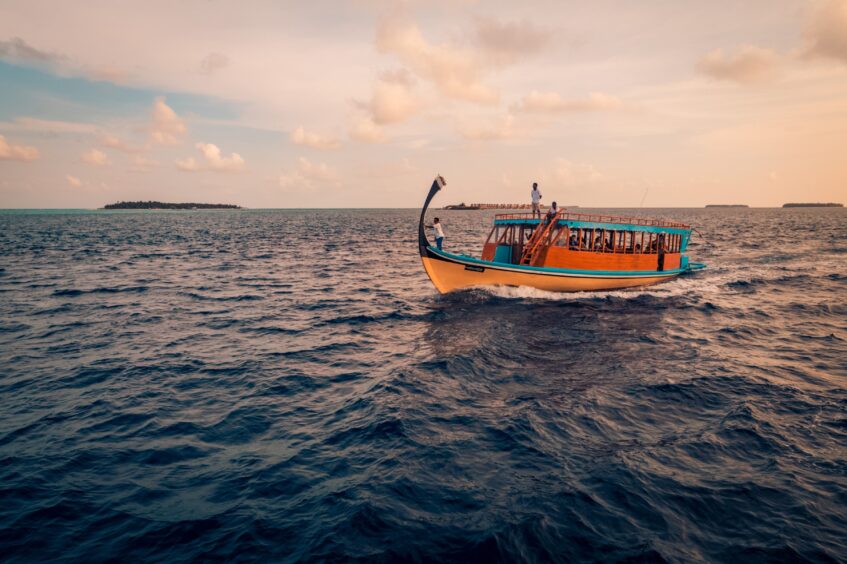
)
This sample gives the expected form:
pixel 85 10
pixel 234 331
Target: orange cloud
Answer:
pixel 314 140
pixel 366 131
pixel 553 102
pixel 749 65
pixel 167 127
pixel 215 161
pixel 827 32
pixel 95 157
pixel 307 174
pixel 454 71
pixel 10 152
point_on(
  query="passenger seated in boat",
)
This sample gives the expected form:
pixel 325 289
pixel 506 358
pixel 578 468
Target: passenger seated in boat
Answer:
pixel 573 243
pixel 608 246
pixel 638 247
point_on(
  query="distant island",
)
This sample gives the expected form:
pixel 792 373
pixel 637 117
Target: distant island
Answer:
pixel 727 206
pixel 168 206
pixel 830 205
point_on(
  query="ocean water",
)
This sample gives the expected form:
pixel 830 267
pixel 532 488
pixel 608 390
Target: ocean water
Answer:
pixel 286 385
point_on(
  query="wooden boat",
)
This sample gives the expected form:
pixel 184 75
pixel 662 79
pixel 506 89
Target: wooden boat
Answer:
pixel 571 252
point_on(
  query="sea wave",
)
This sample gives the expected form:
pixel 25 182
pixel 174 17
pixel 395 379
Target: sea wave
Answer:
pixel 230 386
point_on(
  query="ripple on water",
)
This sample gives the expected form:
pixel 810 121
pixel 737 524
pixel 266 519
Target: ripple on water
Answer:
pixel 219 386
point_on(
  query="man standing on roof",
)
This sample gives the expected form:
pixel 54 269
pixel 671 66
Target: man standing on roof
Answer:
pixel 536 200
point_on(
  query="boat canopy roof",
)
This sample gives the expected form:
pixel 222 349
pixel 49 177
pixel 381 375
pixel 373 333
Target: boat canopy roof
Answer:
pixel 599 220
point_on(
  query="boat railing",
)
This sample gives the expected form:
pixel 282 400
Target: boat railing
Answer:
pixel 598 218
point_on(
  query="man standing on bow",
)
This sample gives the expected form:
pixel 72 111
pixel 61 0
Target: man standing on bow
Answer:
pixel 536 200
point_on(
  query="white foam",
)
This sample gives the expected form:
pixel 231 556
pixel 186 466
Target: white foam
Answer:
pixel 692 284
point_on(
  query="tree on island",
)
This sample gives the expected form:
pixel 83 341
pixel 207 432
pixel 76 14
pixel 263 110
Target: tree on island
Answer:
pixel 151 205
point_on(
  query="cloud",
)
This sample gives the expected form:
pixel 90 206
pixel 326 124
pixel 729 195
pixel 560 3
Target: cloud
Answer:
pixel 749 65
pixel 95 157
pixel 570 174
pixel 213 62
pixel 454 71
pixel 19 51
pixel 232 163
pixel 393 101
pixel 366 131
pixel 47 126
pixel 214 161
pixel 167 127
pixel 554 103
pixel 489 129
pixel 187 165
pixel 827 32
pixel 73 181
pixel 308 174
pixel 105 73
pixel 113 142
pixel 506 42
pixel 10 152
pixel 302 137
pixel 142 164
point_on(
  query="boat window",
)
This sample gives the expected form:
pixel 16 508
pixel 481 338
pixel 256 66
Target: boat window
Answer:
pixel 564 234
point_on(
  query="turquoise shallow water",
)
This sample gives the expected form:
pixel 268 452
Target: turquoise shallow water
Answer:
pixel 286 385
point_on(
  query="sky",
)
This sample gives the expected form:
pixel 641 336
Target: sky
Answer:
pixel 267 103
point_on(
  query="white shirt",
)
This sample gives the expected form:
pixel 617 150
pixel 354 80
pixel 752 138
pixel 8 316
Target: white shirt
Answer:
pixel 439 233
pixel 536 196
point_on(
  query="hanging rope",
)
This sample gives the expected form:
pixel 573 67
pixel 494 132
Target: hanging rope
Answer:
pixel 709 243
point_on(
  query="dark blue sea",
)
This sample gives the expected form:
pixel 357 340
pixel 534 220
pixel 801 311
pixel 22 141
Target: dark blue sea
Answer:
pixel 286 385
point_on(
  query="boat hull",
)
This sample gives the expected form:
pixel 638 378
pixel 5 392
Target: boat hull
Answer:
pixel 453 272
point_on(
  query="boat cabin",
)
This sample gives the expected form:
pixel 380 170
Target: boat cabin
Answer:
pixel 587 242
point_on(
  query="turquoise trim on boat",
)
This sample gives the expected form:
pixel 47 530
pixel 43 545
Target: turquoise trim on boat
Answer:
pixel 550 270
pixel 503 253
pixel 596 225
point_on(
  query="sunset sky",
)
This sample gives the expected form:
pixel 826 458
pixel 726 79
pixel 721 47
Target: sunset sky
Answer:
pixel 360 103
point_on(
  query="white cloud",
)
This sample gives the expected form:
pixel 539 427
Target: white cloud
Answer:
pixel 214 160
pixel 827 32
pixel 10 152
pixel 167 127
pixel 366 131
pixel 749 65
pixel 73 181
pixel 314 140
pixel 95 157
pixel 553 102
pixel 213 62
pixel 307 175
